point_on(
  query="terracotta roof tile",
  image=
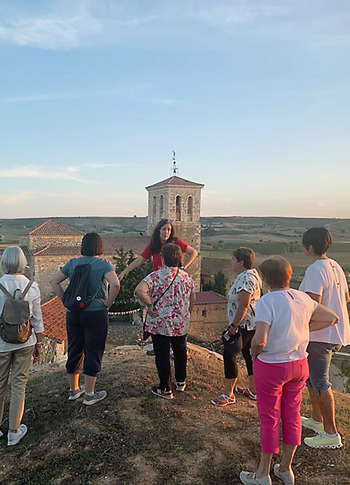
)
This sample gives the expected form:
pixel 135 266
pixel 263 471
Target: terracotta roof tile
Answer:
pixel 52 227
pixel 175 182
pixel 54 316
pixel 209 297
pixel 136 243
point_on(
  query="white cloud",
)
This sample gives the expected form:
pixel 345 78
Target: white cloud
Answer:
pixel 64 24
pixel 42 174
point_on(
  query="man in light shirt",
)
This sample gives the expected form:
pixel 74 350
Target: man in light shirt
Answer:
pixel 325 283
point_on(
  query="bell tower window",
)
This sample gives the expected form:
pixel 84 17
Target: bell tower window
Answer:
pixel 178 208
pixel 190 208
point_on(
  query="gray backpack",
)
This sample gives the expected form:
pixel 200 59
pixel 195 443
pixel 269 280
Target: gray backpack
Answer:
pixel 15 316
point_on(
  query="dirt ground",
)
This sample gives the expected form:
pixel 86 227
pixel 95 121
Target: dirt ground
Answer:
pixel 133 437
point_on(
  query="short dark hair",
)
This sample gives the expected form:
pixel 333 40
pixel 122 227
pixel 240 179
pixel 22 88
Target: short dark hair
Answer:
pixel 276 272
pixel 172 254
pixel 91 245
pixel 246 255
pixel 319 238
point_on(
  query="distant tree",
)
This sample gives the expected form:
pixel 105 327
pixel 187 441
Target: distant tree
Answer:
pixel 220 283
pixel 126 300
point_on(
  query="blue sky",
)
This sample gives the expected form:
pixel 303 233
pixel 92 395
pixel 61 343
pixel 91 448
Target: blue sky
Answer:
pixel 253 95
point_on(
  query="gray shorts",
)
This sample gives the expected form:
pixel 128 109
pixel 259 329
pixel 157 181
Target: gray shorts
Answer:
pixel 320 356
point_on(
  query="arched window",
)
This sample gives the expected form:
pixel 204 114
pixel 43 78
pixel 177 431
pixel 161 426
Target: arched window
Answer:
pixel 161 207
pixel 154 206
pixel 190 208
pixel 178 208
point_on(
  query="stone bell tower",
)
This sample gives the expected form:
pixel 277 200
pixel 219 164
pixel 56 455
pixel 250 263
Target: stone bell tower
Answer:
pixel 178 199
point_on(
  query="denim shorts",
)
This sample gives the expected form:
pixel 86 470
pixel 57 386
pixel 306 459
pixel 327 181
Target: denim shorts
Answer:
pixel 320 356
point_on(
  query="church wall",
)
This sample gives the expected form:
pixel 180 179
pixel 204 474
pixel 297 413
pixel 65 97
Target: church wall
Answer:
pixel 208 321
pixel 34 241
pixel 44 268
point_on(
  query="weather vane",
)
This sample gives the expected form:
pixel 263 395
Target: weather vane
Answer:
pixel 174 168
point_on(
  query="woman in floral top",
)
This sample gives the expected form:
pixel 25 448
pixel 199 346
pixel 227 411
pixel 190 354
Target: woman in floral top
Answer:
pixel 169 295
pixel 242 298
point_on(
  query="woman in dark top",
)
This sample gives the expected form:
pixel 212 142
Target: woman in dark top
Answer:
pixel 163 233
pixel 87 329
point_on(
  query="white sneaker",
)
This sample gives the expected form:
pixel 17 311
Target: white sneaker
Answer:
pixel 14 438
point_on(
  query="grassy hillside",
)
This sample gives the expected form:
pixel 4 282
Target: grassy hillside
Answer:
pixel 133 437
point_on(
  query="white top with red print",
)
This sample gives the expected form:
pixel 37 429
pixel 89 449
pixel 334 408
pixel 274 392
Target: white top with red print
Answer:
pixel 173 308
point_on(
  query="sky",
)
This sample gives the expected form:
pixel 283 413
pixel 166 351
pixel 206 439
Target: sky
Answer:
pixel 253 96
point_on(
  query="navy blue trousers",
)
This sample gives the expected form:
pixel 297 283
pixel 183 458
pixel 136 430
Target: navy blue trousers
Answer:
pixel 161 346
pixel 87 334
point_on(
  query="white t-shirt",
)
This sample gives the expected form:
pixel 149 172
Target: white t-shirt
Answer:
pixel 288 313
pixel 249 281
pixel 326 278
pixel 11 283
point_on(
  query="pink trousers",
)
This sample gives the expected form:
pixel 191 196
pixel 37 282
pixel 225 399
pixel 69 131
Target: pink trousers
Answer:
pixel 279 389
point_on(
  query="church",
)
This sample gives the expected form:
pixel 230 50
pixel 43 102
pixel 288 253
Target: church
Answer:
pixel 51 244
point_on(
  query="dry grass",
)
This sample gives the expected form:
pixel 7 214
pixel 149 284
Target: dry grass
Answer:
pixel 135 438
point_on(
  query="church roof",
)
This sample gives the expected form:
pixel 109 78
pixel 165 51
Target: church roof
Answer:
pixel 174 181
pixel 209 298
pixel 52 227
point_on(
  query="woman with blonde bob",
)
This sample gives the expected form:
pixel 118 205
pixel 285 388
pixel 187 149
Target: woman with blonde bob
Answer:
pixel 284 317
pixel 15 358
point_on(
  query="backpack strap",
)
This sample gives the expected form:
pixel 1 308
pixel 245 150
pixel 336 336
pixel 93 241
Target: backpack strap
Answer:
pixel 7 293
pixel 26 289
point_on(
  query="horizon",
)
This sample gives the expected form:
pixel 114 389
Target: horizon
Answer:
pixel 252 95
pixel 146 216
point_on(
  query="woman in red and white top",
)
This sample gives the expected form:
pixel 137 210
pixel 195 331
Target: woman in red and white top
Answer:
pixel 163 233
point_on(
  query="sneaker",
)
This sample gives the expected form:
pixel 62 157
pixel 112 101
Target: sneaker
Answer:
pixel 14 438
pixel 181 386
pixel 310 423
pixel 96 397
pixel 75 394
pixel 286 477
pixel 156 390
pixel 324 441
pixel 223 400
pixel 254 481
pixel 245 392
pixel 1 434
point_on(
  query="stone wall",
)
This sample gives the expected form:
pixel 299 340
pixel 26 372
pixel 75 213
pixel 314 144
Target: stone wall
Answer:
pixel 44 268
pixel 208 321
pixel 33 242
pixel 52 351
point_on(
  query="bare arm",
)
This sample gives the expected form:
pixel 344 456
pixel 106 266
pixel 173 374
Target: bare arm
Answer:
pixel 314 296
pixel 135 264
pixel 114 287
pixel 191 255
pixel 322 318
pixel 56 281
pixel 142 292
pixel 260 338
pixel 244 299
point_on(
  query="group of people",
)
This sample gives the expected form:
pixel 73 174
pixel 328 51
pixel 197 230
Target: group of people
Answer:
pixel 287 337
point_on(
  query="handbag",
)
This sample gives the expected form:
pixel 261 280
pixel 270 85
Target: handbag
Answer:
pixel 232 345
pixel 145 333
